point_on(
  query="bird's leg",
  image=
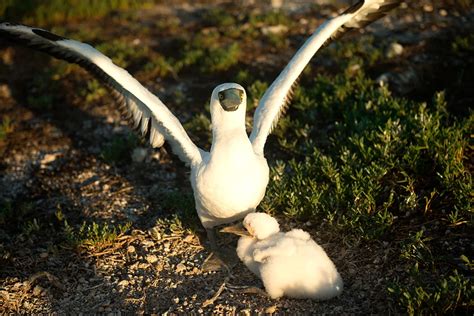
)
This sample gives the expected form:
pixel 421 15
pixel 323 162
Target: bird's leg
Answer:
pixel 211 237
pixel 213 262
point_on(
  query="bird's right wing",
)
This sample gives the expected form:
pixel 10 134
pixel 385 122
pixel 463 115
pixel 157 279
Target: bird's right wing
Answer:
pixel 147 111
pixel 278 94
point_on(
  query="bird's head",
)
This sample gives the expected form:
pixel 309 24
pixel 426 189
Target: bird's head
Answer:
pixel 256 225
pixel 228 104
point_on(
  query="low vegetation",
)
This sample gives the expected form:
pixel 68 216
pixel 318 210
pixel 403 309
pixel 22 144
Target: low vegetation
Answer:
pixel 59 11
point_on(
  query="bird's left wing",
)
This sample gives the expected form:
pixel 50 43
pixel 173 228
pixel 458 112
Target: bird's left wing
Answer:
pixel 148 113
pixel 277 96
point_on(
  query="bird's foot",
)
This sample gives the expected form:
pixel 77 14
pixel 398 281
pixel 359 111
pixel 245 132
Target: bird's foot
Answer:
pixel 219 258
pixel 213 262
pixel 247 290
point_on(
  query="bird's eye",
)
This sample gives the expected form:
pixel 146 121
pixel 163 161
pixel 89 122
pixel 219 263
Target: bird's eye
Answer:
pixel 221 96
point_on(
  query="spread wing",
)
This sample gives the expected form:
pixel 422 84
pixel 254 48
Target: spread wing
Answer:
pixel 147 112
pixel 278 94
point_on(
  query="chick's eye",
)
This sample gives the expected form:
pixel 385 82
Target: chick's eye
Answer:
pixel 221 97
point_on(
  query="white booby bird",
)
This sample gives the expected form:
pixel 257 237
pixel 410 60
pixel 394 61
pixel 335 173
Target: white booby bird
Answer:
pixel 230 180
pixel 290 264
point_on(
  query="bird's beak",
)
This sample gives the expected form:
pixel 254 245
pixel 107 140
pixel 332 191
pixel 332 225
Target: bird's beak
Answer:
pixel 237 229
pixel 230 99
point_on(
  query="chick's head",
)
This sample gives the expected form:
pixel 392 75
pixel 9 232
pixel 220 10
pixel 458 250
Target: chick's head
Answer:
pixel 261 225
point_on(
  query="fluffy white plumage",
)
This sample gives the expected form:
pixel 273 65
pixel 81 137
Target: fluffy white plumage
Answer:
pixel 230 180
pixel 289 264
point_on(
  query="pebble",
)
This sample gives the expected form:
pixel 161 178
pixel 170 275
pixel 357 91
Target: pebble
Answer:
pixel 123 283
pixel 143 266
pixel 147 243
pixel 5 91
pixel 271 309
pixel 151 258
pixel 428 8
pixel 37 290
pixel 139 154
pixel 394 49
pixel 180 267
pixel 48 158
pixel 130 249
pixel 274 29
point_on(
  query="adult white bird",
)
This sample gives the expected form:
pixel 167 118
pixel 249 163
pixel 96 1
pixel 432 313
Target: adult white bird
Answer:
pixel 230 180
pixel 289 264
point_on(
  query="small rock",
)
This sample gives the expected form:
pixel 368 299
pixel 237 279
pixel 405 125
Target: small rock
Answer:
pixel 147 243
pixel 143 266
pixel 130 249
pixel 123 283
pixel 428 8
pixel 43 255
pixel 276 4
pixel 271 309
pixel 353 69
pixel 17 286
pixel 48 158
pixel 5 91
pixel 176 300
pixel 151 258
pixel 394 49
pixel 139 154
pixel 37 290
pixel 443 12
pixel 274 29
pixel 180 267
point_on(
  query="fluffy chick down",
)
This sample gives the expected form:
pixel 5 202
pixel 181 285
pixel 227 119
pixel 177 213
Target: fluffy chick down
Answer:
pixel 290 264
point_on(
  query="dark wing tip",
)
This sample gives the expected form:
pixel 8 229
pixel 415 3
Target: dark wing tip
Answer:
pixel 353 8
pixel 48 35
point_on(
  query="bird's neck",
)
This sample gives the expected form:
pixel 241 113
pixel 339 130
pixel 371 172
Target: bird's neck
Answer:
pixel 229 139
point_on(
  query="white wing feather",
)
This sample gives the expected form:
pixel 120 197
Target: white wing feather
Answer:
pixel 148 113
pixel 277 95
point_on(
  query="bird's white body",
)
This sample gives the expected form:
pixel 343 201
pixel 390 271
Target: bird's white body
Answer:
pixel 230 181
pixel 290 264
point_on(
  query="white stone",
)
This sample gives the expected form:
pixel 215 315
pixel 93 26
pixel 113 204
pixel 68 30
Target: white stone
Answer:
pixel 139 154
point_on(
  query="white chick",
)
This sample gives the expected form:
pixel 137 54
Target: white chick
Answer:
pixel 290 264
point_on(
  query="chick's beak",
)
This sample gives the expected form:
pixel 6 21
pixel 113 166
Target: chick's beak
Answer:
pixel 237 229
pixel 230 99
